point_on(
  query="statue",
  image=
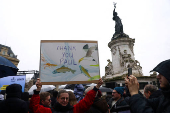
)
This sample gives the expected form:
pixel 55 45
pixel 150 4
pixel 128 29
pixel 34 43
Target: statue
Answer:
pixel 126 60
pixel 109 68
pixel 118 25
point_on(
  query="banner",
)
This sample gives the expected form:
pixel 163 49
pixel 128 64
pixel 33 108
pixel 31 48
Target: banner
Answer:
pixel 69 62
pixel 5 81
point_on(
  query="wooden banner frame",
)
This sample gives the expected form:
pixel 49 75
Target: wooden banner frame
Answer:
pixel 45 65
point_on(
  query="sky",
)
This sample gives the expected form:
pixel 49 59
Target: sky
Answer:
pixel 24 23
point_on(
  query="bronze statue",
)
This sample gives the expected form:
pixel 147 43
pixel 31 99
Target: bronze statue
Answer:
pixel 118 26
pixel 118 23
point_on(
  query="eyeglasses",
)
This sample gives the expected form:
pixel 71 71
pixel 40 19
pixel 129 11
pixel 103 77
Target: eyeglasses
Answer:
pixel 114 92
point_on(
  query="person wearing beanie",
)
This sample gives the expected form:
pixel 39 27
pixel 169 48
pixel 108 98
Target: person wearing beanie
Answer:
pixel 139 104
pixel 13 102
pixel 117 99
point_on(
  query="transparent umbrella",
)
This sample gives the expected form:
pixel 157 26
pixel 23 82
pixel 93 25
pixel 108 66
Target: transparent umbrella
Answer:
pixel 43 89
pixel 105 89
pixel 61 86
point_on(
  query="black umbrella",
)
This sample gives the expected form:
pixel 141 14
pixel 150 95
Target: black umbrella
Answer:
pixel 7 68
pixel 105 89
pixel 69 86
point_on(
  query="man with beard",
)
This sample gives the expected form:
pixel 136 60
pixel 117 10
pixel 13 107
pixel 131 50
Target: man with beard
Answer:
pixel 139 104
pixel 117 99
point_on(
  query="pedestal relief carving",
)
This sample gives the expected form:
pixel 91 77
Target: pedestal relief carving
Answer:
pixel 109 68
pixel 122 58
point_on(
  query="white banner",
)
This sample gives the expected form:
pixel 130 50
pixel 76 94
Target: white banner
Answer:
pixel 69 61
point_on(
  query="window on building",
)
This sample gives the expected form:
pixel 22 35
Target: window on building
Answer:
pixel 11 55
pixel 3 52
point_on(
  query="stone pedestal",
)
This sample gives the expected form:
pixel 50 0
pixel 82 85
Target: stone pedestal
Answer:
pixel 123 57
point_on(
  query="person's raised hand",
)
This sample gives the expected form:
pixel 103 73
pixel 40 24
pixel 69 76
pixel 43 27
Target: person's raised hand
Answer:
pixel 126 79
pixel 99 83
pixel 133 85
pixel 38 84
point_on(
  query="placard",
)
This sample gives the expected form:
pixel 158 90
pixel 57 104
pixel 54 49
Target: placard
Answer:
pixel 69 62
pixel 5 81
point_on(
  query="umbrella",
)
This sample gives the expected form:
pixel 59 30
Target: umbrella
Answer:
pixel 69 90
pixel 92 84
pixel 7 68
pixel 43 89
pixel 105 89
pixel 69 86
pixel 61 87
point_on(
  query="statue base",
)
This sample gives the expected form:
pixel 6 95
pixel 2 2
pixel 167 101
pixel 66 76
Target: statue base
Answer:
pixel 122 57
pixel 119 35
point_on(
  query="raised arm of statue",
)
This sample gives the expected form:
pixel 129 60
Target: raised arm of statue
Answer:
pixel 113 12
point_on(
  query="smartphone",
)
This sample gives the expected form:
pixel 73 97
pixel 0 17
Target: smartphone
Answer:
pixel 129 71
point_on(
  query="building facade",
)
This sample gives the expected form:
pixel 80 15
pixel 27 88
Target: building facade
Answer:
pixel 7 53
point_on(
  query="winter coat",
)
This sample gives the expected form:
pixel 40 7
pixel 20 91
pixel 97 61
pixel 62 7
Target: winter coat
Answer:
pixel 58 108
pixel 80 107
pixel 127 97
pixel 13 105
pixel 120 102
pixel 155 94
pixel 99 106
pixel 161 104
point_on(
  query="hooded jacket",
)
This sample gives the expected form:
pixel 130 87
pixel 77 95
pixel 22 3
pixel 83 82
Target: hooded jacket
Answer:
pixel 156 94
pixel 139 104
pixel 78 91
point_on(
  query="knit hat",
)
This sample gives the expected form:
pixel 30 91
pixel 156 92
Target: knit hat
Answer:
pixel 164 69
pixel 14 90
pixel 120 90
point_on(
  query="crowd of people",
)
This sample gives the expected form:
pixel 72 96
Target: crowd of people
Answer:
pixel 126 99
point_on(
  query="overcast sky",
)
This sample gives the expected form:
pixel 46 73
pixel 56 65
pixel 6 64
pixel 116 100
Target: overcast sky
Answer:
pixel 24 23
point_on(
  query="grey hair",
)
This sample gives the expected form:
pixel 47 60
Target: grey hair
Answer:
pixel 150 87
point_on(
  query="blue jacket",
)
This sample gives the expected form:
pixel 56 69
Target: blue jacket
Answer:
pixel 78 91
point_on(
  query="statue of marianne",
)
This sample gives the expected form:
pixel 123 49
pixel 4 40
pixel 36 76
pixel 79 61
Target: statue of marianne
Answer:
pixel 118 23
